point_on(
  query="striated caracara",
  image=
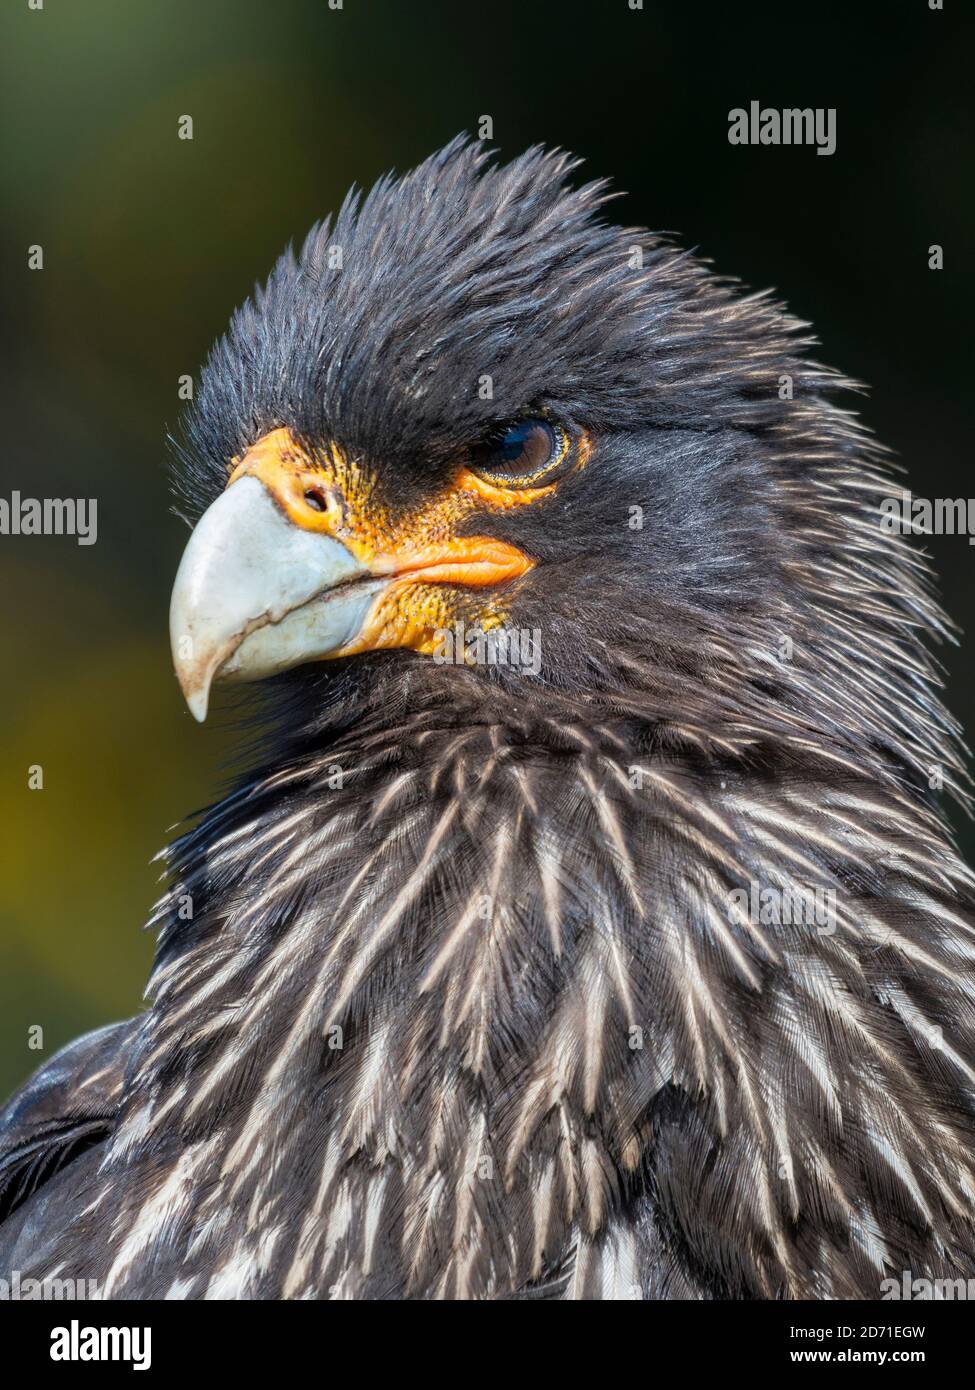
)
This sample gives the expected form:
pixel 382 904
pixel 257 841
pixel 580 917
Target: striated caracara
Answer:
pixel 585 926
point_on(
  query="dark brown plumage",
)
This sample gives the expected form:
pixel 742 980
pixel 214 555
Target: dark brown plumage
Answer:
pixel 473 1001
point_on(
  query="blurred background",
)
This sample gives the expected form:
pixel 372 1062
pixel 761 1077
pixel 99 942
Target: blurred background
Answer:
pixel 150 241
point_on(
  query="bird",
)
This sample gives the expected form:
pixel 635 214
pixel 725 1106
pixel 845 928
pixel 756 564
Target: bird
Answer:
pixel 584 921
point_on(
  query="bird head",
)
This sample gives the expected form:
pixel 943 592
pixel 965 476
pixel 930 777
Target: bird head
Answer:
pixel 470 407
pixel 473 425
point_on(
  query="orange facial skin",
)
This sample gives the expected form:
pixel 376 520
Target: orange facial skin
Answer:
pixel 419 552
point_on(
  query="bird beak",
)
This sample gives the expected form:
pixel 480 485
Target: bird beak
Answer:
pixel 255 594
pixel 270 580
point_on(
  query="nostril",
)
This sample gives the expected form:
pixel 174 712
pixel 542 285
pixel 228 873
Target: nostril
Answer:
pixel 316 499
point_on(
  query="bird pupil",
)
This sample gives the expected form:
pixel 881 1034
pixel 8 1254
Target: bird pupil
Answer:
pixel 514 455
pixel 528 445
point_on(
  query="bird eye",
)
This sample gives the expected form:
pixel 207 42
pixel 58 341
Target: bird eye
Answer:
pixel 521 454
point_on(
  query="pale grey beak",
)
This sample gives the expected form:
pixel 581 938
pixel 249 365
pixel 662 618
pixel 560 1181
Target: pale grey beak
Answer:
pixel 255 594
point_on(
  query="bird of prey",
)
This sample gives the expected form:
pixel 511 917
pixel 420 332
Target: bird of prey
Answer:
pixel 590 674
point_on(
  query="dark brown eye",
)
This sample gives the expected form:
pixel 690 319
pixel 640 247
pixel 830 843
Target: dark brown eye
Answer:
pixel 315 500
pixel 520 454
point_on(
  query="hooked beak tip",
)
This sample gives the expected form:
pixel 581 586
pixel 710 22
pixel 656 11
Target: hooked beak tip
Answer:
pixel 197 701
pixel 195 685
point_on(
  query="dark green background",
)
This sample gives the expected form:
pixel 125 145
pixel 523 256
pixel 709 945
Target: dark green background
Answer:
pixel 150 241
